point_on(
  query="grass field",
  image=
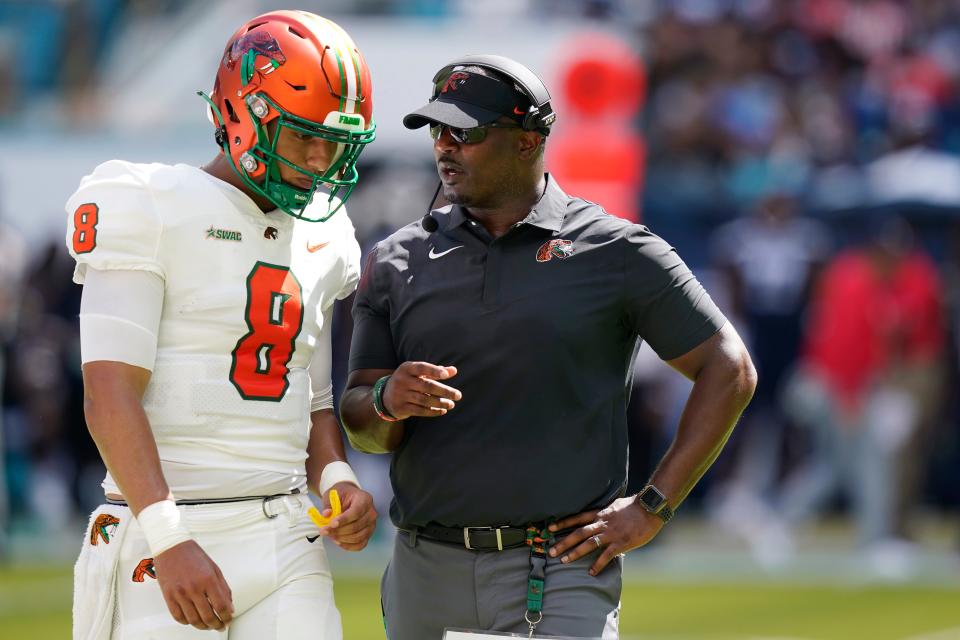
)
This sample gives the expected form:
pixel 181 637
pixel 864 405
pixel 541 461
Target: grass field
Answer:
pixel 35 603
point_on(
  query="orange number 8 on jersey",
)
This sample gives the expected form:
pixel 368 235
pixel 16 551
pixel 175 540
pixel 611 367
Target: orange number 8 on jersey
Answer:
pixel 274 317
pixel 85 228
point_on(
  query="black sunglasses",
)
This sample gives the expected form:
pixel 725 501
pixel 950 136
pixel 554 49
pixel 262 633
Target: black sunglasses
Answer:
pixel 474 135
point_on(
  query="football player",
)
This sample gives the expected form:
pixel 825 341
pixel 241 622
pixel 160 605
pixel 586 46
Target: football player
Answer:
pixel 205 340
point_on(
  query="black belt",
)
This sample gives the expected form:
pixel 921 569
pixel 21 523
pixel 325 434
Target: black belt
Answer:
pixel 476 538
pixel 123 503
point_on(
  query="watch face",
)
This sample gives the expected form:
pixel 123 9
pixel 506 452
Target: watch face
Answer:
pixel 651 498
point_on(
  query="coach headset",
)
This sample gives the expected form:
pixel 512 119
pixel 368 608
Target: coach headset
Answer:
pixel 539 117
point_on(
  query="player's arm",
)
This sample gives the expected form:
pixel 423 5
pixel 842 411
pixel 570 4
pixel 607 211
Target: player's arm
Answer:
pixel 412 389
pixel 119 320
pixel 327 466
pixel 112 395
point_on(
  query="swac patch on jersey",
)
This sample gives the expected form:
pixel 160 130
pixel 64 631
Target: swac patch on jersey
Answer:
pixel 224 234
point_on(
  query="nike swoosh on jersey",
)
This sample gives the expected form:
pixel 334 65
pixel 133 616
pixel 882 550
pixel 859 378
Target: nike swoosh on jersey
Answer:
pixel 313 248
pixel 433 255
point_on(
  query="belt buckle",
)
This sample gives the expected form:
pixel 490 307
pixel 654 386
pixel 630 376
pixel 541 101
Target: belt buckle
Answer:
pixel 267 502
pixel 466 536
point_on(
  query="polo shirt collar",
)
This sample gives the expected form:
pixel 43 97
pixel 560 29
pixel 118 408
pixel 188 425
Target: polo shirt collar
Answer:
pixel 547 214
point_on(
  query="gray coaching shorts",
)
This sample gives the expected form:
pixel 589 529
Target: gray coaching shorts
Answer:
pixel 429 586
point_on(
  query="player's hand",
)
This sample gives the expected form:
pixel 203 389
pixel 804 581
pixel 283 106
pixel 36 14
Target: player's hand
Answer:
pixel 351 530
pixel 414 389
pixel 621 527
pixel 193 587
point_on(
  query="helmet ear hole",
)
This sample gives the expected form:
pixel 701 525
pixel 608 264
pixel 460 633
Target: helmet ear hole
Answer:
pixel 230 112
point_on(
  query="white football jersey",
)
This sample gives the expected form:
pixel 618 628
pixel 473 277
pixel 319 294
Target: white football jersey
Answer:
pixel 248 297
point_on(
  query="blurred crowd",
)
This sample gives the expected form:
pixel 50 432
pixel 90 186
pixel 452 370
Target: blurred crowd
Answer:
pixel 849 102
pixel 803 156
pixel 822 136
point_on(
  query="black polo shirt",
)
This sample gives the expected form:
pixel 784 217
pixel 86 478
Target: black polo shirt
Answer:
pixel 543 325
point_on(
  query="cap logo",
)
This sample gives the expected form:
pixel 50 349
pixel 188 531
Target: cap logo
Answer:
pixel 454 80
pixel 261 42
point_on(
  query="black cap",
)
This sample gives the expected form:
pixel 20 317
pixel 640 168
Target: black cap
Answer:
pixel 464 100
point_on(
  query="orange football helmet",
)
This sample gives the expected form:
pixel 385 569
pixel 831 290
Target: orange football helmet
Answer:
pixel 303 72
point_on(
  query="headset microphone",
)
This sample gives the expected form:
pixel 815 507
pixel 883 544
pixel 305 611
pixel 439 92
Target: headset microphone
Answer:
pixel 428 222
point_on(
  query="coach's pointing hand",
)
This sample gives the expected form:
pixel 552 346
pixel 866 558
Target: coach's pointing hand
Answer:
pixel 414 390
pixel 193 587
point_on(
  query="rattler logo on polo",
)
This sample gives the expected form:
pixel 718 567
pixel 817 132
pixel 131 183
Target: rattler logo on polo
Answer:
pixel 103 527
pixel 224 234
pixel 144 569
pixel 554 249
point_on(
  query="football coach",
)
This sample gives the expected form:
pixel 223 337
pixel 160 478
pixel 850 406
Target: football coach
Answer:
pixel 492 353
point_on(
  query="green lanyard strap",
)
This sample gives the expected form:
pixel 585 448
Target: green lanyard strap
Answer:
pixel 539 540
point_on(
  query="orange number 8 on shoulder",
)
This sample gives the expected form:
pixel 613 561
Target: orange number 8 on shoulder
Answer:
pixel 85 228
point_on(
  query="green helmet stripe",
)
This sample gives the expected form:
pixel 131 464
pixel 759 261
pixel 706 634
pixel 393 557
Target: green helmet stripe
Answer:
pixel 345 47
pixel 356 67
pixel 343 79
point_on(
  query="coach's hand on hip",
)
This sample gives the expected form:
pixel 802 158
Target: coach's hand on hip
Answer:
pixel 414 390
pixel 622 526
pixel 351 530
pixel 193 587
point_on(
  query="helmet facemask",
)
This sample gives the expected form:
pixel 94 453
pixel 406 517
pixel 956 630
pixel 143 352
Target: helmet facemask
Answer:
pixel 345 129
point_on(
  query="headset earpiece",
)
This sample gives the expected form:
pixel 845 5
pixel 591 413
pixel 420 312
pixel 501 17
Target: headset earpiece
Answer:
pixel 540 117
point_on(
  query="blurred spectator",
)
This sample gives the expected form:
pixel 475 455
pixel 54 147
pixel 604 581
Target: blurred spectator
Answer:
pixel 913 170
pixel 869 382
pixel 47 445
pixel 8 82
pixel 769 260
pixel 11 280
pixel 12 267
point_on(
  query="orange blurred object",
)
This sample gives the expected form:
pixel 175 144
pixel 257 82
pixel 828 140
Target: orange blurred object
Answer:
pixel 596 152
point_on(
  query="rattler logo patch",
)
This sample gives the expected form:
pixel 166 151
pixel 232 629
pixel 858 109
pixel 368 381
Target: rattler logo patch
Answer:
pixel 554 249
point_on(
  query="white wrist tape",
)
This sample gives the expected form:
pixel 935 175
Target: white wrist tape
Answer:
pixel 160 523
pixel 336 472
